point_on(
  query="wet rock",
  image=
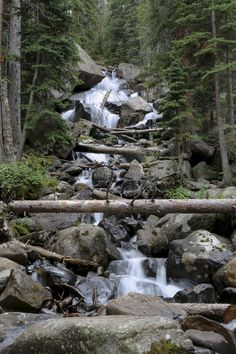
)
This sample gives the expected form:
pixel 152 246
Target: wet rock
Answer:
pixel 202 170
pixel 128 72
pixel 84 193
pixel 4 276
pixel 198 256
pixel 209 339
pixel 226 275
pixel 143 305
pixel 49 275
pixel 89 72
pixel 85 242
pixel 133 111
pixel 201 293
pixel 233 240
pixel 101 177
pixel 83 126
pixel 14 251
pixel 23 294
pixel 73 170
pixel 109 334
pixel 114 229
pixel 13 323
pixel 105 290
pixel 150 241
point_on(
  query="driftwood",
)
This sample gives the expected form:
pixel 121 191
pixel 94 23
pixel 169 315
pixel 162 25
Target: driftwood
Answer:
pixel 126 151
pixel 103 195
pixel 110 131
pixel 57 257
pixel 124 206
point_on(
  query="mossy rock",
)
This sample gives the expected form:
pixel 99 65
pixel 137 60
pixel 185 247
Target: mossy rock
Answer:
pixel 165 347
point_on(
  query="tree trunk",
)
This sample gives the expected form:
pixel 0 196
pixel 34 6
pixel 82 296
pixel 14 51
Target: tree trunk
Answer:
pixel 15 71
pixel 230 100
pixel 126 206
pixel 6 124
pixel 227 175
pixel 2 156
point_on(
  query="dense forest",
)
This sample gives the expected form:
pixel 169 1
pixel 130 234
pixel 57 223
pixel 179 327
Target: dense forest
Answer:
pixel 184 48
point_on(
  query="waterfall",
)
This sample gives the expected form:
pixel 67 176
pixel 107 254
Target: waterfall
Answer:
pixel 129 272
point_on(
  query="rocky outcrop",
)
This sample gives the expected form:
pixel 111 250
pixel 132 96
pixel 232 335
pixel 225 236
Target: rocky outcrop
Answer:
pixel 133 111
pixel 110 334
pixel 226 275
pixel 201 293
pixel 128 72
pixel 23 294
pixel 143 305
pixel 89 72
pixel 84 242
pixel 198 256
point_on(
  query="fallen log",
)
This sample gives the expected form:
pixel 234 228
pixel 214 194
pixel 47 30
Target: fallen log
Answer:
pixel 126 131
pixel 117 150
pixel 109 131
pixel 124 206
pixel 58 257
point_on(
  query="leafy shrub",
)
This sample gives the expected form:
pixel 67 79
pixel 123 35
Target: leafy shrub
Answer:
pixel 177 193
pixel 24 180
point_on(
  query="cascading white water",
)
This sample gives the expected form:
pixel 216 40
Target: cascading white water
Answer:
pixel 135 280
pixel 133 277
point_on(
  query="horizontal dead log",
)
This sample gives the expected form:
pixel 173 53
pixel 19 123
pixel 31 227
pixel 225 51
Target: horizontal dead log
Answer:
pixel 124 206
pixel 125 151
pixel 110 132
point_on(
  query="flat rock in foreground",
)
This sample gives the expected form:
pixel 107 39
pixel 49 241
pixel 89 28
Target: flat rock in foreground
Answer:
pixel 99 335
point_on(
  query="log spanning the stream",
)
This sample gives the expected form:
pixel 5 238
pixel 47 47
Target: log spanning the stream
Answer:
pixel 125 206
pixel 117 150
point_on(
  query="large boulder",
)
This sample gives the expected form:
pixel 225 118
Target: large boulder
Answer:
pixel 101 176
pixel 201 293
pixel 23 294
pixel 99 335
pixel 133 111
pixel 114 229
pixel 128 72
pixel 202 170
pixel 226 275
pixel 169 168
pixel 198 256
pixel 15 251
pixel 84 241
pixel 13 323
pixel 143 305
pixel 89 72
pixel 158 232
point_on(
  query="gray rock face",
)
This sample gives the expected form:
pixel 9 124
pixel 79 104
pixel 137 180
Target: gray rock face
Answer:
pixel 14 251
pixel 198 256
pixel 151 240
pixel 226 275
pixel 128 72
pixel 89 72
pixel 110 335
pixel 169 168
pixel 201 293
pixel 143 305
pixel 133 111
pixel 85 241
pixel 13 323
pixel 101 177
pixel 8 264
pixel 209 339
pixel 135 171
pixel 202 170
pixel 178 226
pixel 65 188
pixel 114 229
pixel 23 294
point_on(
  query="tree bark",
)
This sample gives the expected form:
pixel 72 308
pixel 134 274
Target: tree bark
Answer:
pixel 126 151
pixel 7 136
pixel 15 71
pixel 2 155
pixel 126 206
pixel 230 100
pixel 227 175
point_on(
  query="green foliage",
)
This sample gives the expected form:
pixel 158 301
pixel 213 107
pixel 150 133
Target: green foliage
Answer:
pixel 24 180
pixel 165 347
pixel 47 130
pixel 177 193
